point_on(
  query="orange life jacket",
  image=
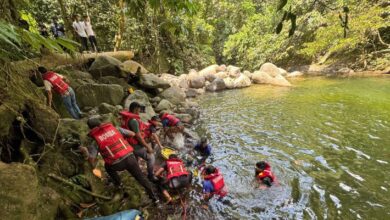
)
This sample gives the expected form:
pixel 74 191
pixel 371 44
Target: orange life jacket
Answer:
pixel 175 168
pixel 218 183
pixel 266 173
pixel 172 120
pixel 112 145
pixel 58 83
pixel 125 118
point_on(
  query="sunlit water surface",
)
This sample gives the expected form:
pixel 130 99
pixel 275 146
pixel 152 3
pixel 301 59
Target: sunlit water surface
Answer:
pixel 328 141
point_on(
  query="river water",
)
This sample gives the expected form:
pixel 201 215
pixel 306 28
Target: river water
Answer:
pixel 327 140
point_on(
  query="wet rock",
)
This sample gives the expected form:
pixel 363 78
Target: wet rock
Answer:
pixel 183 81
pixel 242 81
pixel 155 99
pixel 279 80
pixel 131 67
pixel 94 94
pixel 192 135
pixel 345 70
pixel 151 81
pixel 191 93
pixel 221 68
pixel 106 66
pixel 217 85
pixel 193 111
pixel 164 105
pixel 270 69
pixel 19 192
pixel 105 108
pixel 294 74
pixel 174 95
pixel 142 98
pixel 233 71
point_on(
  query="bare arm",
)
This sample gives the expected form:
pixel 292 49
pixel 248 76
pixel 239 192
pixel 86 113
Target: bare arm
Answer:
pixel 157 139
pixel 159 172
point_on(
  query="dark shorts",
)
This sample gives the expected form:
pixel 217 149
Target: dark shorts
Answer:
pixel 176 183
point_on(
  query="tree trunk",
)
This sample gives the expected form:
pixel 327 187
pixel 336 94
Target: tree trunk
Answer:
pixel 67 21
pixel 119 35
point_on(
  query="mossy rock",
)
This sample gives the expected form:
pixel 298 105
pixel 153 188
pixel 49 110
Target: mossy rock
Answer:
pixel 93 94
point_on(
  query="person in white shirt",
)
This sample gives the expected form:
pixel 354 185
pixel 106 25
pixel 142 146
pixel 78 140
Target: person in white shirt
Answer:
pixel 90 33
pixel 79 28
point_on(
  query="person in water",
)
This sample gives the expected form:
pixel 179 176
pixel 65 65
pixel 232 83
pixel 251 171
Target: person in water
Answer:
pixel 213 183
pixel 177 176
pixel 204 150
pixel 171 124
pixel 264 174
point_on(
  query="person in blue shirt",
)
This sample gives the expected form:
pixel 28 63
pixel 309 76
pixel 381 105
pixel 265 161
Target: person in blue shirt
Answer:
pixel 204 150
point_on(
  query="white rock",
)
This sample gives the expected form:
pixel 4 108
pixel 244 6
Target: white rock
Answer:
pixel 242 81
pixel 294 74
pixel 270 69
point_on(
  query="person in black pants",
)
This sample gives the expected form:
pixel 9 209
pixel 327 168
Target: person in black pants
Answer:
pixel 116 152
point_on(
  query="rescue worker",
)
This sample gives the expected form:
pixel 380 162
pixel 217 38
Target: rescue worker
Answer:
pixel 213 183
pixel 116 152
pixel 176 177
pixel 151 132
pixel 57 82
pixel 204 149
pixel 170 124
pixel 264 174
pixel 131 120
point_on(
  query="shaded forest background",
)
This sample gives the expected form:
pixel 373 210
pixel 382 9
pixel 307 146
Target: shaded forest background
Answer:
pixel 174 36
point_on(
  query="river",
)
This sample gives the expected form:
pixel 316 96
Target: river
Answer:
pixel 327 140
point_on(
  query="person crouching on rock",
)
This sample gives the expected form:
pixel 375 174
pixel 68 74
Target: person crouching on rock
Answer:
pixel 177 176
pixel 213 183
pixel 151 132
pixel 56 82
pixel 116 152
pixel 264 174
pixel 131 120
pixel 171 124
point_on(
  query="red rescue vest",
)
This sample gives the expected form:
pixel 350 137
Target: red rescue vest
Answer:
pixel 58 83
pixel 175 168
pixel 126 117
pixel 218 183
pixel 172 120
pixel 266 173
pixel 112 145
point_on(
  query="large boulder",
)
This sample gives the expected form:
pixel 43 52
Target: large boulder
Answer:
pixel 43 120
pixel 19 192
pixel 105 108
pixel 222 75
pixel 294 74
pixel 197 82
pixel 142 98
pixel 233 71
pixel 229 82
pixel 217 85
pixel 174 94
pixel 183 81
pixel 209 72
pixel 114 80
pixel 191 93
pixel 186 118
pixel 270 69
pixel 94 94
pixel 279 80
pixel 283 72
pixel 260 77
pixel 221 68
pixel 131 67
pixel 248 74
pixel 151 81
pixel 171 79
pixel 164 105
pixel 106 66
pixel 242 81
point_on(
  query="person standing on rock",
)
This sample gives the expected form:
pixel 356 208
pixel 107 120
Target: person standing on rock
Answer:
pixel 116 152
pixel 57 82
pixel 79 28
pixel 131 120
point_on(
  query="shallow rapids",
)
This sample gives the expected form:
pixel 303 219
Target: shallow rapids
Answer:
pixel 327 140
